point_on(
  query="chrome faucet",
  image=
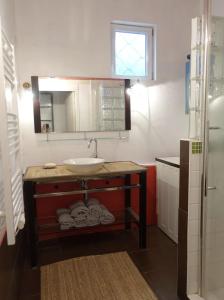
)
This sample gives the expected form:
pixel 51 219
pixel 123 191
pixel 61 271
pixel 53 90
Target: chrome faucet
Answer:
pixel 95 153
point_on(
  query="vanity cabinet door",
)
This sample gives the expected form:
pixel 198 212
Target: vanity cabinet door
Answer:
pixel 168 199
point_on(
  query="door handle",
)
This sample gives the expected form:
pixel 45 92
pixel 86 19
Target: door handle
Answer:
pixel 210 188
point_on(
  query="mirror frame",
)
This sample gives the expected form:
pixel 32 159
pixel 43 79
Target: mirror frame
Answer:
pixel 36 102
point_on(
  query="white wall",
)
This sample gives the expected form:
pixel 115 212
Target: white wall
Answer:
pixel 72 38
pixel 218 8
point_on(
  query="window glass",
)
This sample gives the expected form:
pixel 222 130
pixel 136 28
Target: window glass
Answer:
pixel 133 51
pixel 130 54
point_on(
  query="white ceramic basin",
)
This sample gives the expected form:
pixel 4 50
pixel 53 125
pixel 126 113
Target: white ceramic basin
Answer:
pixel 84 165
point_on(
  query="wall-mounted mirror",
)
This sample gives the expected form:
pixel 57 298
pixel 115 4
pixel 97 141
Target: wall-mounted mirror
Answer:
pixel 80 104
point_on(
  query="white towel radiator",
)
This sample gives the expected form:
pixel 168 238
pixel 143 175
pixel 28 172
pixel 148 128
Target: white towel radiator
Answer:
pixel 11 192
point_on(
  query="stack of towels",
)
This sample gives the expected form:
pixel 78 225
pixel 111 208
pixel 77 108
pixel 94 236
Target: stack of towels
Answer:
pixel 82 215
pixel 64 218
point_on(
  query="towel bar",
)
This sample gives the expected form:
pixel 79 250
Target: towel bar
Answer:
pixel 84 191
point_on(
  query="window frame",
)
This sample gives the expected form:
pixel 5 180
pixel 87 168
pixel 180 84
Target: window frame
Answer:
pixel 149 32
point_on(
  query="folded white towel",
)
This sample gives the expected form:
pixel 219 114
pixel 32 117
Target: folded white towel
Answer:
pixel 106 217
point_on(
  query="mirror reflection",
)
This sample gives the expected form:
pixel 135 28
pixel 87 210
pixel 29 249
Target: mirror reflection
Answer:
pixel 79 105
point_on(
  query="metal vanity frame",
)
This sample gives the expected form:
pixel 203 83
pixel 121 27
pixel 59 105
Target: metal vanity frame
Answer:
pixel 31 197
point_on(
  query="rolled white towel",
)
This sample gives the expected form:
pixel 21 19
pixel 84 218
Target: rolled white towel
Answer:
pixel 95 210
pixel 92 220
pixel 81 217
pixel 61 211
pixel 93 201
pixel 79 209
pixel 106 217
pixel 77 204
pixel 79 223
pixel 94 207
pixel 65 219
pixel 66 227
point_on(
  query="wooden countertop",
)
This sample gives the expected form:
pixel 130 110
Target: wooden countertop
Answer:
pixel 39 174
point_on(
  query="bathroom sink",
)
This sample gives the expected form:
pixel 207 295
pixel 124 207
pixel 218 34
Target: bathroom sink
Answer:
pixel 84 165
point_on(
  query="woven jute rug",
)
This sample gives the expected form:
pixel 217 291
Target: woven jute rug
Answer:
pixel 100 277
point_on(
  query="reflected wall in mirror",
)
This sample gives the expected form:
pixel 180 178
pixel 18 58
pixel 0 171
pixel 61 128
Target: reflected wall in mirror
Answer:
pixel 80 104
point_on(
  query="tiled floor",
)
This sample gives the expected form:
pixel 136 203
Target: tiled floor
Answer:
pixel 158 263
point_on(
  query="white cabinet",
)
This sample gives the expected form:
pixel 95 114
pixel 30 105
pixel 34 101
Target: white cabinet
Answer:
pixel 168 199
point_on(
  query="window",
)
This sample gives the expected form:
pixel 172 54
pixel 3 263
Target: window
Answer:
pixel 133 51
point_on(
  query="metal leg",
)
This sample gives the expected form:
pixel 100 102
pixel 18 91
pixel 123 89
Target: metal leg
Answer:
pixel 86 197
pixel 30 211
pixel 84 186
pixel 127 202
pixel 142 211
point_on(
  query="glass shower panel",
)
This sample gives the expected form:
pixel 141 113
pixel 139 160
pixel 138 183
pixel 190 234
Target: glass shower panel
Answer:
pixel 213 261
pixel 196 78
